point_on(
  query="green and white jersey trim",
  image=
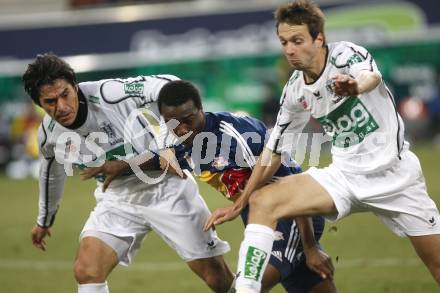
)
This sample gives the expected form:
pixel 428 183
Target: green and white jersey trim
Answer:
pixel 110 129
pixel 366 132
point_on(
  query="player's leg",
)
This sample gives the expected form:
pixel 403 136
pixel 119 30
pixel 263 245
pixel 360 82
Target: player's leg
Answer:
pixel 271 278
pixel 401 190
pixel 428 247
pixel 298 278
pixel 296 195
pixel 110 236
pixel 295 274
pixel 94 262
pixel 272 275
pixel 177 215
pixel 325 286
pixel 426 241
pixel 214 272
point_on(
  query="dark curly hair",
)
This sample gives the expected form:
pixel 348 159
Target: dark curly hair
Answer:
pixel 45 69
pixel 178 92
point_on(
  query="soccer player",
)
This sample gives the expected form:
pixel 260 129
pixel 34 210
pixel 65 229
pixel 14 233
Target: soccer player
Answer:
pixel 222 148
pixel 373 169
pixel 89 122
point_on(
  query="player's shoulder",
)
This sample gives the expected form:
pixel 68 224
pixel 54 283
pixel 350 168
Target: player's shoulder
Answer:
pixel 345 53
pixel 294 78
pixel 291 89
pixel 116 90
pixel 341 46
pixel 47 131
pixel 239 121
pixel 48 124
pixel 113 90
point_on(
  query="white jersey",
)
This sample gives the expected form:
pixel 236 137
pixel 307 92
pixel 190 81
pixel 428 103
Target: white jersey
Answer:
pixel 110 124
pixel 366 130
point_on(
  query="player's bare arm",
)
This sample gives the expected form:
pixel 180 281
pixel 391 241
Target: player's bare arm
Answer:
pixel 264 169
pixel 317 259
pixel 111 170
pixel 169 163
pixel 345 85
pixel 115 168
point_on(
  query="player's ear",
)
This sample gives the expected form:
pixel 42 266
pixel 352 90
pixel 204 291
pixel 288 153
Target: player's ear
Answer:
pixel 319 40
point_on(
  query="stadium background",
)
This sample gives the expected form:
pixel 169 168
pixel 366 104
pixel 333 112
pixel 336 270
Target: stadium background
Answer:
pixel 230 50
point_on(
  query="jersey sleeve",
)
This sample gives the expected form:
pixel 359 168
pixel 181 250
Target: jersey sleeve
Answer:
pixel 135 99
pixel 156 82
pixel 291 120
pixel 352 59
pixel 134 92
pixel 51 181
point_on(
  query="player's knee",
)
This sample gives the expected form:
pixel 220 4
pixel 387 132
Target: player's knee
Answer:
pixel 87 273
pixel 437 277
pixel 435 271
pixel 325 286
pixel 434 267
pixel 218 278
pixel 432 262
pixel 216 283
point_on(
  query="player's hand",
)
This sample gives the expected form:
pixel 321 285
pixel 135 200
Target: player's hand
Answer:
pixel 38 234
pixel 169 163
pixel 110 169
pixel 221 215
pixel 345 85
pixel 319 262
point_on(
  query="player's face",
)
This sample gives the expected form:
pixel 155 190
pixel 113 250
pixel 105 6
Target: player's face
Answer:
pixel 190 118
pixel 60 101
pixel 298 45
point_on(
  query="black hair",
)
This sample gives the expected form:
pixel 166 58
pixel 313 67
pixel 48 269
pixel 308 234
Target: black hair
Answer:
pixel 45 69
pixel 178 92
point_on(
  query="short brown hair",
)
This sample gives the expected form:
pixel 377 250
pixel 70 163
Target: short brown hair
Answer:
pixel 302 12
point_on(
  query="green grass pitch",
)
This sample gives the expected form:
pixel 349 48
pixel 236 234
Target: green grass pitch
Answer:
pixel 370 258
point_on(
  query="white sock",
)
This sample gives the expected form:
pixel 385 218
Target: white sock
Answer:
pixel 253 258
pixel 93 288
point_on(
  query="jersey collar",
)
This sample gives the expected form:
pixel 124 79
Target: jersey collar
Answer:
pixel 81 116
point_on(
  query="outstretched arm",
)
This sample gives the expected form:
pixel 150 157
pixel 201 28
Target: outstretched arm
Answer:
pixel 145 161
pixel 265 168
pixel 345 85
pixel 291 119
pixel 115 168
pixel 361 74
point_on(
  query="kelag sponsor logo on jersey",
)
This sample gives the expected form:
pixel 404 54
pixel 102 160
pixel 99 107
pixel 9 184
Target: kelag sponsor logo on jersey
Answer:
pixel 349 124
pixel 94 99
pixel 355 58
pixel 134 88
pixel 254 263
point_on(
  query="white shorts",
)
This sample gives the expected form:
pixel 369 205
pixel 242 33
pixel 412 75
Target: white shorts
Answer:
pixel 177 214
pixel 396 195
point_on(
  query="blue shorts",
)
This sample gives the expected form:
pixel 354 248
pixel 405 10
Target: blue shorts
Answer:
pixel 288 256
